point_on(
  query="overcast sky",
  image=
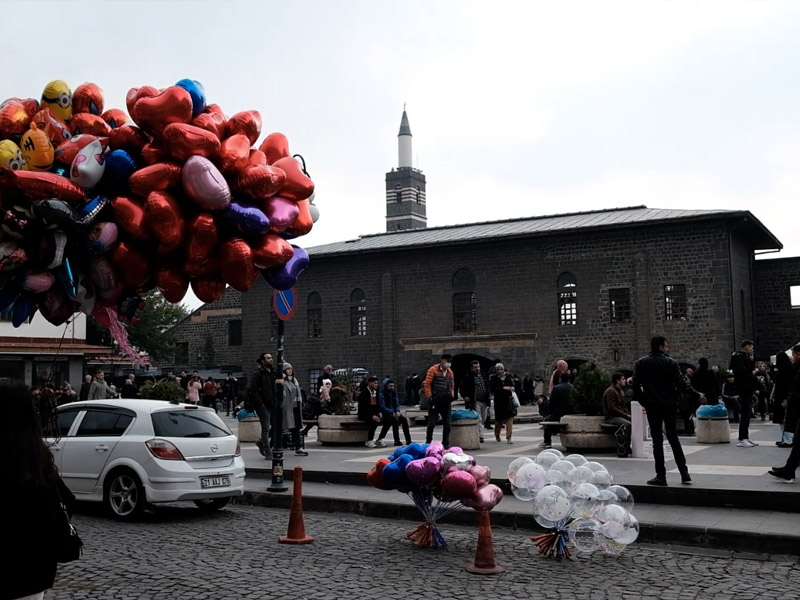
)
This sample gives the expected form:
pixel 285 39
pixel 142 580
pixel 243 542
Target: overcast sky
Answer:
pixel 517 108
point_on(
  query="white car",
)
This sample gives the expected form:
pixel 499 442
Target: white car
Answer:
pixel 132 453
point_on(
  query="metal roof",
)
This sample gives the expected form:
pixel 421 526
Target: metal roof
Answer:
pixel 613 218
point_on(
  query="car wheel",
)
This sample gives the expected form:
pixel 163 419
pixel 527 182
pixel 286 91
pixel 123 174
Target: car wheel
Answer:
pixel 212 504
pixel 125 496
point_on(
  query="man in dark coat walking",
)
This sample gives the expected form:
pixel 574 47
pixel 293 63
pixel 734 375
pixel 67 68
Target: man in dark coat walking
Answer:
pixel 786 472
pixel 262 400
pixel 744 367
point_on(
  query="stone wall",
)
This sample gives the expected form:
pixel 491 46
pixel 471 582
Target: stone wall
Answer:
pixel 778 323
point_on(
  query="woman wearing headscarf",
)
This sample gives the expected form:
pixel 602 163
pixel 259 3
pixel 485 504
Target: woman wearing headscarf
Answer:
pixel 292 408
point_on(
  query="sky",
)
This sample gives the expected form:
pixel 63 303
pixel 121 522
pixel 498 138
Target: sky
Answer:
pixel 517 108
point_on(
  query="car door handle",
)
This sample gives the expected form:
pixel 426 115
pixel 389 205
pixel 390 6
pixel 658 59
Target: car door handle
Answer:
pixel 102 448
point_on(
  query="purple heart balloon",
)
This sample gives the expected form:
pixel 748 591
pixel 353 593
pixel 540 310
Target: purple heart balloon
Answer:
pixel 285 276
pixel 455 450
pixel 481 473
pixel 248 219
pixel 487 496
pixel 204 184
pixel 423 471
pixel 435 449
pixel 282 212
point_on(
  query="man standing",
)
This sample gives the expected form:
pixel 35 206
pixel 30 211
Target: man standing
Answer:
pixel 262 398
pixel 327 373
pixel 129 388
pixel 659 382
pixel 744 369
pixel 99 389
pixel 615 413
pixel 555 377
pixel 369 411
pixel 557 406
pixel 85 387
pixel 230 391
pixel 392 417
pixel 438 387
pixel 475 390
pixel 786 472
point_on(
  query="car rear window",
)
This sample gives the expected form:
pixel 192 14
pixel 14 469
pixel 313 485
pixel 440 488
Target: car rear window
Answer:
pixel 103 422
pixel 189 423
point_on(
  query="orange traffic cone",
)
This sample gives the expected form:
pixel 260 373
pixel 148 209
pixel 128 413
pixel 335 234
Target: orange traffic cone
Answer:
pixel 297 528
pixel 484 553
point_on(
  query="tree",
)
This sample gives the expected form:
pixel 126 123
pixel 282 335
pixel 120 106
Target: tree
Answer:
pixel 588 389
pixel 153 331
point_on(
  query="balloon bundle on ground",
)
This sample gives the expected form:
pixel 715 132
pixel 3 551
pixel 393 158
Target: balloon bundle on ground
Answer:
pixel 577 501
pixel 439 481
pixel 98 209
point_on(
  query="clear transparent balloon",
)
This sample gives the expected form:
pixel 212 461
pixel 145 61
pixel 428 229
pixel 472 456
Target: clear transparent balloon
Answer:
pixel 552 503
pixel 624 497
pixel 581 475
pixel 602 479
pixel 585 498
pixel 585 535
pixel 546 459
pixel 595 466
pixel 522 493
pixel 576 459
pixel 564 466
pixel 515 466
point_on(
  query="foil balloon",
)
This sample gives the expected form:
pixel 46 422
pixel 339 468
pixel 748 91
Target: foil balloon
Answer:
pixel 260 181
pixel 304 222
pixel 314 212
pixel 208 287
pixel 129 215
pixel 423 472
pixel 89 165
pixel 238 268
pixel 154 113
pixel 248 219
pixel 271 250
pixel 85 295
pixel 67 150
pixel 459 485
pixel 204 184
pixel 120 165
pixel 88 123
pixel 184 140
pixel 395 472
pixel 197 93
pixel 209 266
pixel 8 294
pixel 55 129
pixel 87 98
pixel 256 157
pixel 128 137
pixel 233 153
pixel 115 118
pixel 160 176
pixel 37 149
pixel 487 496
pixel 134 266
pixel 298 185
pixel 102 236
pixel 11 156
pixel 24 308
pixel 247 122
pixel 163 217
pixel 136 94
pixel 172 283
pixel 152 153
pixel 55 306
pixel 38 281
pixel 201 237
pixel 285 276
pixel 213 121
pixel 35 185
pixel 55 212
pixel 275 146
pixel 281 212
pixel 14 119
pixel 375 475
pixel 58 98
pixel 481 473
pixel 102 274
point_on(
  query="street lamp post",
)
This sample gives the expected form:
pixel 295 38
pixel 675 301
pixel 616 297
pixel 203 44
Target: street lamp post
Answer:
pixel 278 484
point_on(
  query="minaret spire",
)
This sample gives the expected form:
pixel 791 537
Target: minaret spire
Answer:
pixel 405 187
pixel 404 153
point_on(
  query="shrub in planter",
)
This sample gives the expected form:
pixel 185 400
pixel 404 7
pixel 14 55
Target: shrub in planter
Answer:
pixel 163 390
pixel 587 390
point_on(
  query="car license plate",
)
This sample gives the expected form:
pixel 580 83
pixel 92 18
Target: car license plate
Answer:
pixel 212 482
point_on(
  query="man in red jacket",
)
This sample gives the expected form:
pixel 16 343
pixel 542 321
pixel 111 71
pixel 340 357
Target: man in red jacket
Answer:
pixel 438 387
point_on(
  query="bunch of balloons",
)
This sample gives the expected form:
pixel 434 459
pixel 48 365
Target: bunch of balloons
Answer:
pixel 577 501
pixel 99 208
pixel 439 481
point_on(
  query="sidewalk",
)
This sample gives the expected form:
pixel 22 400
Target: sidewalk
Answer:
pixel 732 504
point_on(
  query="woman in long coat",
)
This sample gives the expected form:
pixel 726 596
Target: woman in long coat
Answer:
pixel 501 385
pixel 292 407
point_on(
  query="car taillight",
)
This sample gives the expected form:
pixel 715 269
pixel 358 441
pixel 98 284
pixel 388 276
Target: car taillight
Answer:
pixel 238 449
pixel 164 449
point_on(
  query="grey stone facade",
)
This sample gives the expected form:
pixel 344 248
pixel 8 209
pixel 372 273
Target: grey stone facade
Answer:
pixel 409 299
pixel 778 324
pixel 405 199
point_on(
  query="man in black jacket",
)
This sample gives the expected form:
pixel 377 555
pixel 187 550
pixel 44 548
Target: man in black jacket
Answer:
pixel 744 368
pixel 786 472
pixel 557 406
pixel 474 389
pixel 659 382
pixel 262 399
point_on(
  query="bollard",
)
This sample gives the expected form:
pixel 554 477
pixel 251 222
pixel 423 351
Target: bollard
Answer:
pixel 296 533
pixel 638 430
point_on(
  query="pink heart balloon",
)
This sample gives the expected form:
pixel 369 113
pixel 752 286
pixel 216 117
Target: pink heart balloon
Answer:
pixel 481 473
pixel 281 213
pixel 435 449
pixel 455 450
pixel 204 184
pixel 487 496
pixel 459 485
pixel 424 471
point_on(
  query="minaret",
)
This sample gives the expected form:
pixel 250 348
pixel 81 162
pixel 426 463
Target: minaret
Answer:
pixel 405 187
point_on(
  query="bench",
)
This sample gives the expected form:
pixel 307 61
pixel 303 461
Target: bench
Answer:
pixel 341 429
pixel 553 425
pixel 610 427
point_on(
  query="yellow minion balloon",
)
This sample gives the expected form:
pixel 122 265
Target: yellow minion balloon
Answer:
pixel 11 156
pixel 37 149
pixel 58 98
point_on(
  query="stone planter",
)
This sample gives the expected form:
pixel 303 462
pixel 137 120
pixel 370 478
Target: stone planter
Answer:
pixel 249 429
pixel 341 429
pixel 585 433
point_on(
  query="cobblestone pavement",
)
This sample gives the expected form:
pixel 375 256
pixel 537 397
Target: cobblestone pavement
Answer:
pixel 177 553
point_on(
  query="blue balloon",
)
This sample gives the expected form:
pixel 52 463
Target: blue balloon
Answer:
pixel 416 450
pixel 395 472
pixel 119 167
pixel 23 309
pixel 198 94
pixel 9 294
pixel 285 276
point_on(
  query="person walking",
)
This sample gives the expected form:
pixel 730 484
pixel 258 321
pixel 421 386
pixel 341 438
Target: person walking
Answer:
pixel 391 415
pixel 474 389
pixel 658 383
pixel 787 471
pixel 193 390
pixel 369 411
pixel 557 406
pixel 780 398
pixel 230 392
pixel 99 389
pixel 439 388
pixel 764 389
pixel 85 387
pixel 502 385
pixel 262 400
pixel 615 413
pixel 31 500
pixel 744 369
pixel 293 408
pixel 210 393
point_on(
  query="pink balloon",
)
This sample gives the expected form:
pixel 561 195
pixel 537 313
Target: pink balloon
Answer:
pixel 281 212
pixel 435 449
pixel 455 450
pixel 424 471
pixel 481 473
pixel 459 485
pixel 204 184
pixel 487 496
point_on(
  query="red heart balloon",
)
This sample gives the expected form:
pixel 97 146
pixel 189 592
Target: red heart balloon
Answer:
pixel 126 137
pixel 195 268
pixel 160 176
pixel 233 153
pixel 183 140
pixel 271 251
pixel 163 217
pixel 154 113
pixel 212 121
pixel 256 157
pixel 201 237
pixel 208 288
pixel 275 146
pixel 238 268
pixel 247 122
pixel 172 283
pixel 298 185
pixel 55 306
pixel 303 223
pixel 41 185
pixel 135 94
pixel 129 216
pixel 89 123
pixel 261 181
pixel 134 266
pixel 153 153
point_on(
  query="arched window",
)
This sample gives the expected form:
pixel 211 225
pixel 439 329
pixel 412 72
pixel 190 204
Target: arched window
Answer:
pixel 567 299
pixel 358 313
pixel 314 315
pixel 398 194
pixel 465 303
